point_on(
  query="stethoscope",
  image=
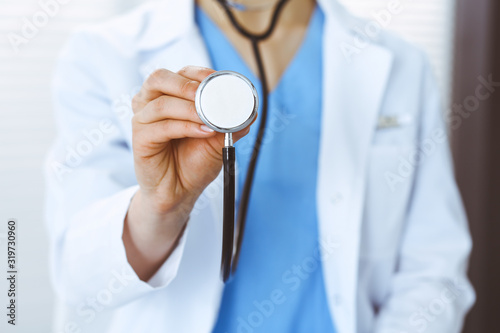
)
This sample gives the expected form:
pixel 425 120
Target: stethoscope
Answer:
pixel 227 102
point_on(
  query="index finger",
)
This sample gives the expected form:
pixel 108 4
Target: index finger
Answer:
pixel 164 82
pixel 195 72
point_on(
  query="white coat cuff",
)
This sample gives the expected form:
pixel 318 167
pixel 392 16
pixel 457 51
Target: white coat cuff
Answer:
pixel 168 270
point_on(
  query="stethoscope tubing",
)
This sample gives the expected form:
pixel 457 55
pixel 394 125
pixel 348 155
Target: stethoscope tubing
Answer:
pixel 228 158
pixel 230 251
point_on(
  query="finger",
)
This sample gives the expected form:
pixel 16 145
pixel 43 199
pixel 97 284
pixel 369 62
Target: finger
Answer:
pixel 238 135
pixel 168 107
pixel 195 72
pixel 165 82
pixel 166 130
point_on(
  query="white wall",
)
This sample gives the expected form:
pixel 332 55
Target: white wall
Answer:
pixel 26 125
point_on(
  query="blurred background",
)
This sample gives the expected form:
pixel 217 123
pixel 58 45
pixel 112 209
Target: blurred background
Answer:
pixel 461 38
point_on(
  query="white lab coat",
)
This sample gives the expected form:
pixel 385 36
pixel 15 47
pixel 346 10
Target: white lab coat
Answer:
pixel 394 233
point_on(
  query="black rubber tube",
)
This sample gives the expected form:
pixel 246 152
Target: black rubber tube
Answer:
pixel 228 158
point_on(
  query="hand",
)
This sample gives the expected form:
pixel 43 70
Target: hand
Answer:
pixel 175 156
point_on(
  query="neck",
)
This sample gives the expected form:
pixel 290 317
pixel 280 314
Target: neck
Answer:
pixel 256 20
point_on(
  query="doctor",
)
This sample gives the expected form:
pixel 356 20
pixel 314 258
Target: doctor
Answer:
pixel 355 223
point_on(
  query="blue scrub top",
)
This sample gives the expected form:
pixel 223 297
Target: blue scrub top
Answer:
pixel 279 285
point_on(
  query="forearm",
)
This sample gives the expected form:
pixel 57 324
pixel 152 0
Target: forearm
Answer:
pixel 150 236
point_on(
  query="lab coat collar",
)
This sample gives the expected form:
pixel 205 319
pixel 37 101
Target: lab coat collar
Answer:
pixel 171 20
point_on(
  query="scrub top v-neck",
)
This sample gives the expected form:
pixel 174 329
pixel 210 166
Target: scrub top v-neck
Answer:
pixel 279 284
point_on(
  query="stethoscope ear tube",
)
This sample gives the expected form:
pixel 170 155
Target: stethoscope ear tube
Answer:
pixel 228 158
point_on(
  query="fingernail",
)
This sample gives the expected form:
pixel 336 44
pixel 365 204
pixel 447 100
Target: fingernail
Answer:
pixel 206 129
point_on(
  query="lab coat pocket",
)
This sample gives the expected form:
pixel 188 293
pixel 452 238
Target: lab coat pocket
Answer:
pixel 389 183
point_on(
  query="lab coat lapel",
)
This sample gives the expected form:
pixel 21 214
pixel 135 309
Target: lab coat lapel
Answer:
pixel 171 21
pixel 183 50
pixel 187 50
pixel 352 95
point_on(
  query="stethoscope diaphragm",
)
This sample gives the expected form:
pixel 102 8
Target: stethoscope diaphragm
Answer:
pixel 226 101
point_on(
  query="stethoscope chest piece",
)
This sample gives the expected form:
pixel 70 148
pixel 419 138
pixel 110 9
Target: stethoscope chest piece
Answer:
pixel 227 102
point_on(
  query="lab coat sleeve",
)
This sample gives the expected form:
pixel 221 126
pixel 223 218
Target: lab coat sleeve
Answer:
pixel 90 182
pixel 430 290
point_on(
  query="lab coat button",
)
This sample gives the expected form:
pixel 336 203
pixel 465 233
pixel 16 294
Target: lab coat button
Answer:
pixel 337 300
pixel 336 198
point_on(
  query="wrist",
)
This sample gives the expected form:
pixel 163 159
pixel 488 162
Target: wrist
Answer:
pixel 149 233
pixel 157 210
pixel 149 237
